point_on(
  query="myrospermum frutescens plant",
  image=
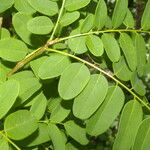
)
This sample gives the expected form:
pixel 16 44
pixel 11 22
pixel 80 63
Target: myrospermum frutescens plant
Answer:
pixel 60 100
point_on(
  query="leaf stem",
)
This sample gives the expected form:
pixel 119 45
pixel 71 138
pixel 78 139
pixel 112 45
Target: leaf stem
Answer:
pixel 58 19
pixel 104 72
pixel 11 142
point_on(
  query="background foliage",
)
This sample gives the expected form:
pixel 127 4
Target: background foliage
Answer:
pixel 74 74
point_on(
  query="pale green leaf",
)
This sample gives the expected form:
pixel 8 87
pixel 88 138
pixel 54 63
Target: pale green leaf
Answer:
pixel 143 136
pixel 24 6
pixel 38 108
pixel 9 91
pixel 73 80
pixel 111 47
pixel 4 144
pixel 119 13
pixel 121 70
pixel 56 137
pixel 20 124
pixel 4 33
pixel 137 84
pixel 145 23
pixel 45 7
pixel 141 53
pixel 107 112
pixel 5 4
pixel 55 65
pixel 40 25
pixel 129 50
pixel 87 23
pixel 86 103
pixel 76 132
pixel 77 44
pixel 69 18
pixel 100 14
pixel 72 5
pixel 12 49
pixel 129 20
pixel 131 117
pixel 95 45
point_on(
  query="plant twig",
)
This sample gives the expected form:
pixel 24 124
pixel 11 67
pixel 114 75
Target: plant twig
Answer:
pixel 104 72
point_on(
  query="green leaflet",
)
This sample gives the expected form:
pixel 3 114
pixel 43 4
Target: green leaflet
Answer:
pixel 38 107
pixel 56 137
pixel 45 7
pixel 72 5
pixel 40 25
pixel 36 63
pixel 76 132
pixel 9 91
pixel 88 101
pixel 145 24
pixel 4 144
pixel 95 45
pixel 73 80
pixel 20 25
pixel 107 112
pixel 100 14
pixel 77 44
pixel 121 70
pixel 28 86
pixel 70 146
pixel 40 136
pixel 111 47
pixel 137 84
pixel 69 18
pixel 141 53
pixel 60 111
pixel 129 50
pixel 5 4
pixel 12 49
pixel 87 23
pixel 128 125
pixel 129 20
pixel 20 124
pixel 143 136
pixel 119 12
pixel 4 33
pixel 55 63
pixel 24 6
